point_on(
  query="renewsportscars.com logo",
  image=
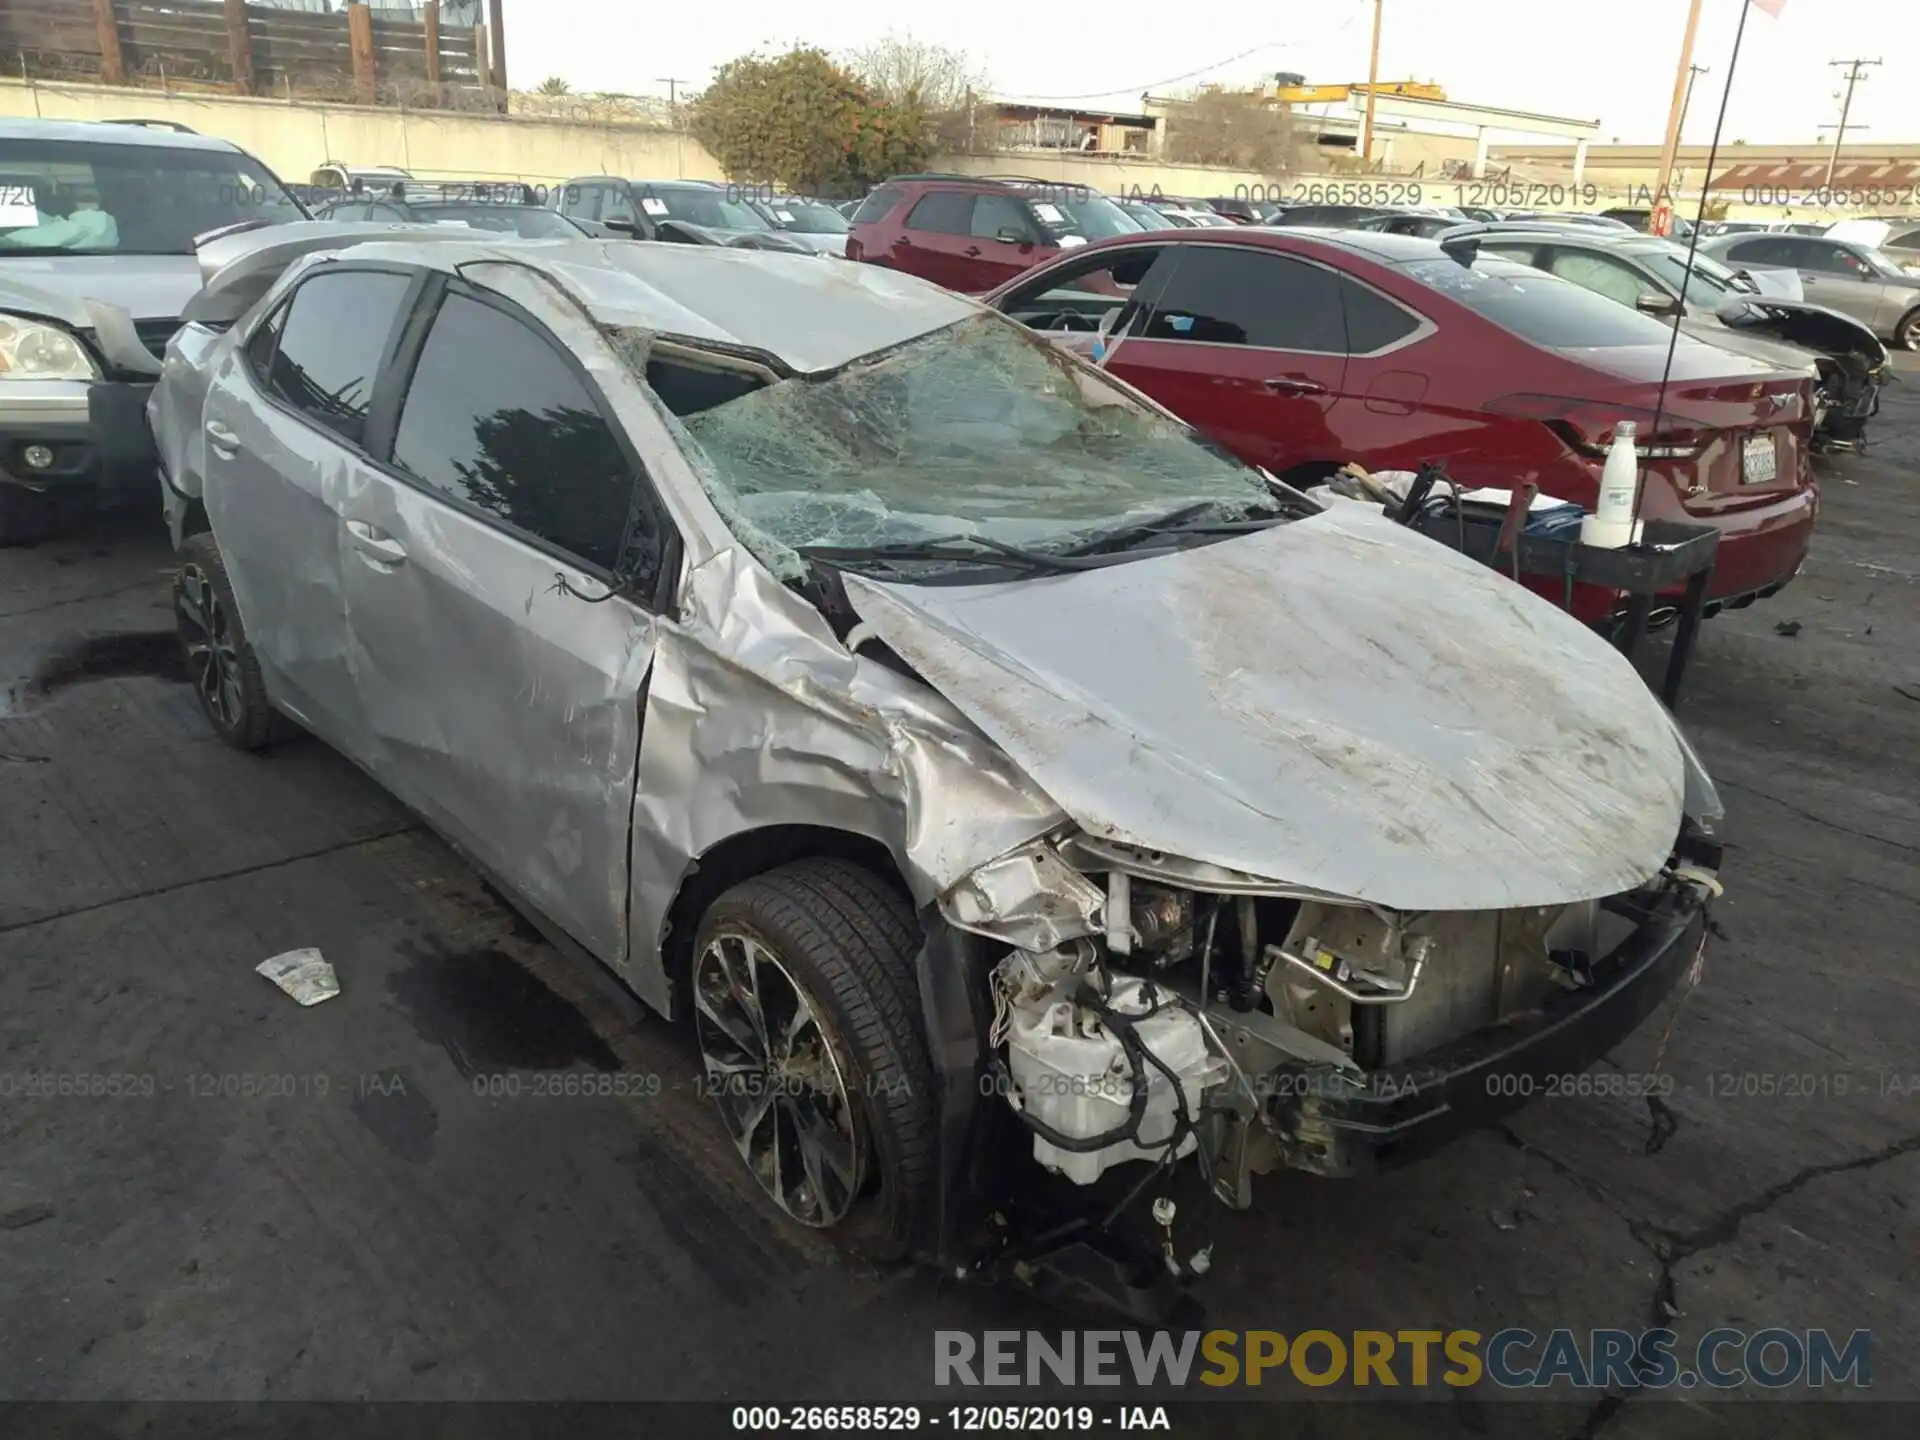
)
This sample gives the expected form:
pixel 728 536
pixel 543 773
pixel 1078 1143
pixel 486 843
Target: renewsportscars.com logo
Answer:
pixel 1723 1359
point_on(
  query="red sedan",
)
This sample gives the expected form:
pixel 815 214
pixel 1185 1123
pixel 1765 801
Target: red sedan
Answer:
pixel 1300 350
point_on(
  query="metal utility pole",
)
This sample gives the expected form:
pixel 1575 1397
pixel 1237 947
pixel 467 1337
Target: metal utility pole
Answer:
pixel 1373 83
pixel 673 84
pixel 1682 80
pixel 1854 77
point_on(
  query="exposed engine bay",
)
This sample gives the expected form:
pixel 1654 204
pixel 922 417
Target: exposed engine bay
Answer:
pixel 1204 1012
pixel 1851 366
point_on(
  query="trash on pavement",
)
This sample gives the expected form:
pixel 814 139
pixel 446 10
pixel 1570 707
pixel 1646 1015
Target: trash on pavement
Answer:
pixel 303 974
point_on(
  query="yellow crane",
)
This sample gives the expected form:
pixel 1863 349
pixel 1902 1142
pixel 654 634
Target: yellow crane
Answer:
pixel 1323 94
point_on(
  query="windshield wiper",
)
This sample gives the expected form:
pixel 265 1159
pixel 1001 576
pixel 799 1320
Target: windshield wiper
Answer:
pixel 965 549
pixel 1187 520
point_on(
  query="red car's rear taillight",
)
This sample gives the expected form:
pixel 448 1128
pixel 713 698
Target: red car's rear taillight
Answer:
pixel 1587 425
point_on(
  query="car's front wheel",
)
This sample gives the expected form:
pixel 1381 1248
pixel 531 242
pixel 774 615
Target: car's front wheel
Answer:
pixel 220 662
pixel 803 1002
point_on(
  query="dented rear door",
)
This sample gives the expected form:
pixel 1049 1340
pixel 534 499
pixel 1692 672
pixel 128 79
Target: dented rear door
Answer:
pixel 499 666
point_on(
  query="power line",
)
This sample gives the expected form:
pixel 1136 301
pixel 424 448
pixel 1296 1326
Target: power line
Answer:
pixel 1216 65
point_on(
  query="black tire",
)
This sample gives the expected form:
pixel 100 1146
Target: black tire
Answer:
pixel 29 516
pixel 848 939
pixel 220 662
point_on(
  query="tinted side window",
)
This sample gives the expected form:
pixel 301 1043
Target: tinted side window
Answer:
pixel 518 437
pixel 330 346
pixel 945 212
pixel 1373 321
pixel 878 205
pixel 1908 241
pixel 994 213
pixel 1242 297
pixel 1760 252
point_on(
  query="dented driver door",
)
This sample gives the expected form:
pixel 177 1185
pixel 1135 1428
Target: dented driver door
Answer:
pixel 500 664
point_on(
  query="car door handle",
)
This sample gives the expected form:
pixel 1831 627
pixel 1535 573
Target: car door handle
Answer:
pixel 1293 385
pixel 972 250
pixel 223 439
pixel 377 543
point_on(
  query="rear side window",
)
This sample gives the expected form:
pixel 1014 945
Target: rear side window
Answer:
pixel 520 438
pixel 943 212
pixel 330 346
pixel 1231 296
pixel 1770 251
pixel 1373 321
pixel 1539 307
pixel 878 205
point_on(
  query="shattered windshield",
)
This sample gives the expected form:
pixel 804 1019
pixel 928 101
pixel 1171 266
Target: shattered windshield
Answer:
pixel 977 430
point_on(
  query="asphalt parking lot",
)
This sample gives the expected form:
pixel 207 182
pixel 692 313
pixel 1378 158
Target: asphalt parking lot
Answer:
pixel 385 1230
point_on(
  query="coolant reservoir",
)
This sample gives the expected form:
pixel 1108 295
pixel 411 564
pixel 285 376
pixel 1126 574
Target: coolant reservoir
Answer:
pixel 1074 1077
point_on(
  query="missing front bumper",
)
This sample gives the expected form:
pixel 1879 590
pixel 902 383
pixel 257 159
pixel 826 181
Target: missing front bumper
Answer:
pixel 1330 1123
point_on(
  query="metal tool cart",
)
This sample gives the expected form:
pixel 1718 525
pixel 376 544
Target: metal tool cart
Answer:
pixel 1668 554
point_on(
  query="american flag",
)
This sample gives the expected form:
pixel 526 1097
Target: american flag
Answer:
pixel 1772 7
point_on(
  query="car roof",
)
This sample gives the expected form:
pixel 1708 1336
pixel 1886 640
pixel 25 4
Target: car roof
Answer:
pixel 642 180
pixel 112 132
pixel 1627 242
pixel 813 317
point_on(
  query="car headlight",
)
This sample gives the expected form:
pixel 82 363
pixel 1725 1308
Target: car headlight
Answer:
pixel 35 350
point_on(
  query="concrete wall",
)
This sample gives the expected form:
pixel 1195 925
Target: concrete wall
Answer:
pixel 293 138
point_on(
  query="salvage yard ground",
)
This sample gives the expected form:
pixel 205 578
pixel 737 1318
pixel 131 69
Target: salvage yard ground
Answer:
pixel 389 1230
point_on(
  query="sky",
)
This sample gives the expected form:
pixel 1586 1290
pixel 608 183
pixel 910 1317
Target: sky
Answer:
pixel 1610 60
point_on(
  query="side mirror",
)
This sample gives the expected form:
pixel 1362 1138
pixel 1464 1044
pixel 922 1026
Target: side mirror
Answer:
pixel 1653 303
pixel 1013 235
pixel 625 227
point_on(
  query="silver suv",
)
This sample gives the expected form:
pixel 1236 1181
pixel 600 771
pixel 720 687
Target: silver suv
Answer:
pixel 97 230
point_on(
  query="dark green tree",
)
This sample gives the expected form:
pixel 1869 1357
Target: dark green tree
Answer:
pixel 803 123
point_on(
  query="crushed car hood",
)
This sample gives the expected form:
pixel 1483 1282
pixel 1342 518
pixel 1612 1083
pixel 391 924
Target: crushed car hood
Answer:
pixel 147 287
pixel 1337 703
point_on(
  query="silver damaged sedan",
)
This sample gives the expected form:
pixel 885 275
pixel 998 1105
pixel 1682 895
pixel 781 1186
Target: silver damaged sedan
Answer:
pixel 1026 802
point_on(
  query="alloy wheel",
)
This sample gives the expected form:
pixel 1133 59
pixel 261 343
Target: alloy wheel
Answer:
pixel 213 665
pixel 772 1068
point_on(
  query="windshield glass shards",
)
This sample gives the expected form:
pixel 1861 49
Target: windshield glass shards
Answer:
pixel 979 430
